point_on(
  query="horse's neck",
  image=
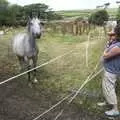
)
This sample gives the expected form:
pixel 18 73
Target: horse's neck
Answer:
pixel 32 40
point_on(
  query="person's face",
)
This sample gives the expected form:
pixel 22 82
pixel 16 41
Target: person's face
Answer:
pixel 112 37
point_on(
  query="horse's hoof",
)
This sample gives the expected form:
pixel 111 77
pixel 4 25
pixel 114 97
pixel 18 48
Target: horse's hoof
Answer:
pixel 35 81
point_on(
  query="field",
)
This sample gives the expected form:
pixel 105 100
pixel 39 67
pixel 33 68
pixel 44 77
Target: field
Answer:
pixel 75 13
pixel 85 13
pixel 20 102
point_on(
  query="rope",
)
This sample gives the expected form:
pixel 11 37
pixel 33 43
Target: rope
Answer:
pixel 78 91
pixel 87 46
pixel 92 75
pixel 21 74
pixel 89 78
pixel 59 115
pixel 51 108
pixel 85 82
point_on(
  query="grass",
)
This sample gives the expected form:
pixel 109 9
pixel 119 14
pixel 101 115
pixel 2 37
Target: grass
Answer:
pixel 85 13
pixel 70 71
pixel 74 13
pixel 66 74
pixel 52 45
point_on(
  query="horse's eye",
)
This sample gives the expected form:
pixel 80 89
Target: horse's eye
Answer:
pixel 31 23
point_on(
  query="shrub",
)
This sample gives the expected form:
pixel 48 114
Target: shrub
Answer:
pixel 118 16
pixel 99 17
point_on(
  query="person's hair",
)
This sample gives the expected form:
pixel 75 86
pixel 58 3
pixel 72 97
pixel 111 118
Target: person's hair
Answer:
pixel 117 30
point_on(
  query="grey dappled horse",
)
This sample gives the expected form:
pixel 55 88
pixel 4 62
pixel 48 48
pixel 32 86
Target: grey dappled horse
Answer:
pixel 25 48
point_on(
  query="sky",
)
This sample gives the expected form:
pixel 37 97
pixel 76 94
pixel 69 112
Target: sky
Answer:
pixel 67 4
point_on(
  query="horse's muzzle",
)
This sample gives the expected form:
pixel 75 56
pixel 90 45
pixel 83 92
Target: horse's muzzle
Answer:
pixel 38 35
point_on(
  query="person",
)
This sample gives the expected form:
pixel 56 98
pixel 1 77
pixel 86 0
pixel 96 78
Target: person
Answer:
pixel 111 63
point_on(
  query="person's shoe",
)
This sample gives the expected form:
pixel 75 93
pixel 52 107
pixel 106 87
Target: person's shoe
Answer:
pixel 112 113
pixel 101 104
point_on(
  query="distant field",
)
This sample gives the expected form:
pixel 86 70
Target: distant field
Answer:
pixel 74 13
pixel 85 13
pixel 112 12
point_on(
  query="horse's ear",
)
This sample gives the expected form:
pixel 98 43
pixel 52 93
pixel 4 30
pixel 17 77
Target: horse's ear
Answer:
pixel 29 18
pixel 28 23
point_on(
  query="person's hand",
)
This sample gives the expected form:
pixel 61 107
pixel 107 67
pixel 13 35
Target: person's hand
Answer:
pixel 105 54
pixel 113 52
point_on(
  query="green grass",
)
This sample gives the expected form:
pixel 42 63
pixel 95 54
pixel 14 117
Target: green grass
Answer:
pixel 67 73
pixel 85 13
pixel 71 69
pixel 75 13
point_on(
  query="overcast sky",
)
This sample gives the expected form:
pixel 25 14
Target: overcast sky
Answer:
pixel 67 4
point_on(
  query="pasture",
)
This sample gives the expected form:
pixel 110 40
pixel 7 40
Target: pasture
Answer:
pixel 20 102
pixel 84 13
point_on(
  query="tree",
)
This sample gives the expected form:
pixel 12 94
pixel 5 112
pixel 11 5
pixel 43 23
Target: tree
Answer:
pixel 3 11
pixel 14 16
pixel 99 17
pixel 118 16
pixel 40 10
pixel 3 2
pixel 18 15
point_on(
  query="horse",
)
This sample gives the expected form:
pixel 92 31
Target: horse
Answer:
pixel 25 47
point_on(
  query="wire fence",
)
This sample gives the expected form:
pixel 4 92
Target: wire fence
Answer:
pixel 88 79
pixel 50 61
pixel 61 101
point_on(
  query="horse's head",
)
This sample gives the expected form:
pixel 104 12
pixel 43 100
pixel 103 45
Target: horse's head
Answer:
pixel 35 27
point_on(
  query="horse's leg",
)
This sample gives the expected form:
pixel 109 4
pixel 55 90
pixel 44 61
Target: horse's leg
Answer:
pixel 21 62
pixel 27 61
pixel 29 74
pixel 27 64
pixel 29 77
pixel 34 65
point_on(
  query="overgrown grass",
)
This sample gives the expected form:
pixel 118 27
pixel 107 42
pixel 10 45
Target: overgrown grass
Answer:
pixel 68 73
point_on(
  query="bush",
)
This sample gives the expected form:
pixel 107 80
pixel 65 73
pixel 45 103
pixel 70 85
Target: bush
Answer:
pixel 118 16
pixel 99 17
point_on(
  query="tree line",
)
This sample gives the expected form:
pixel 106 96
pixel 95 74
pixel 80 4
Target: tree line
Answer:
pixel 100 16
pixel 13 14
